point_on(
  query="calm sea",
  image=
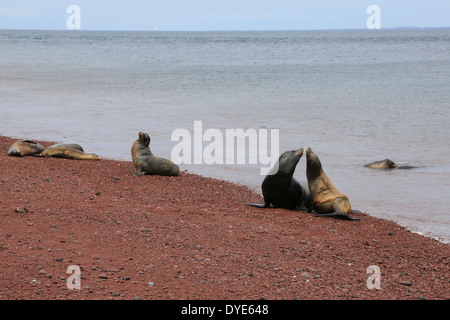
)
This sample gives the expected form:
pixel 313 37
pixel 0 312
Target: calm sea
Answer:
pixel 352 96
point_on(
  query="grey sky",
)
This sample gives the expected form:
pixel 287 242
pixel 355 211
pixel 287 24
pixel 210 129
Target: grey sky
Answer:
pixel 221 14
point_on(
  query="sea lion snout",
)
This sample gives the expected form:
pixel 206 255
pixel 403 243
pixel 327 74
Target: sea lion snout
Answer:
pixel 14 152
pixel 144 137
pixel 299 152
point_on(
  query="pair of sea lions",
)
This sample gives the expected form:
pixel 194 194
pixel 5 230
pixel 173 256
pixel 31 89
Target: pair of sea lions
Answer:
pixel 24 148
pixel 282 190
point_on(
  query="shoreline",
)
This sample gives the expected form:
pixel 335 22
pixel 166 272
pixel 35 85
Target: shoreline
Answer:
pixel 191 237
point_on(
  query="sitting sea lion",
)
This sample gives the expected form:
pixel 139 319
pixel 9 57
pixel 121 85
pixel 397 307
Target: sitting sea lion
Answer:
pixel 24 148
pixel 75 146
pixel 386 164
pixel 67 153
pixel 146 163
pixel 281 189
pixel 327 201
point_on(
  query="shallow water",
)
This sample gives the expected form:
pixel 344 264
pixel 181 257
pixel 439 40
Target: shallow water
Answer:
pixel 352 96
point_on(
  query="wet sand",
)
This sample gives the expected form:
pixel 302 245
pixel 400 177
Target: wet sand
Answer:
pixel 190 237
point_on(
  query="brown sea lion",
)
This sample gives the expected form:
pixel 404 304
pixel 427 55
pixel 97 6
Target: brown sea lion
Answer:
pixel 327 200
pixel 75 146
pixel 146 163
pixel 382 164
pixel 67 153
pixel 24 148
pixel 281 189
pixel 387 164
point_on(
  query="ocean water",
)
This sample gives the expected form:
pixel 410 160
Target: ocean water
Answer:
pixel 353 96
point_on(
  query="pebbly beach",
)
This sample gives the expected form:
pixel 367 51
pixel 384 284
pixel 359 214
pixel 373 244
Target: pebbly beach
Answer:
pixel 191 237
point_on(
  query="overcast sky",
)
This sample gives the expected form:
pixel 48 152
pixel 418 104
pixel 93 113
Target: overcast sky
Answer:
pixel 222 14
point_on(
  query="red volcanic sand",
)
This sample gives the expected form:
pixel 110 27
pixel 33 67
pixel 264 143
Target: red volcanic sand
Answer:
pixel 190 237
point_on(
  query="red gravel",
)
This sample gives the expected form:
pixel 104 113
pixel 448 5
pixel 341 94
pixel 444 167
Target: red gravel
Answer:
pixel 190 237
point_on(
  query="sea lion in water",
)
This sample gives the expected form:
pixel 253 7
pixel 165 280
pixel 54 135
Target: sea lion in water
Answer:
pixel 75 146
pixel 382 164
pixel 24 148
pixel 146 163
pixel 386 164
pixel 327 201
pixel 67 153
pixel 281 189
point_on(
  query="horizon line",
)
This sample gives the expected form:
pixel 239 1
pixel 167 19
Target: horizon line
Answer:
pixel 229 30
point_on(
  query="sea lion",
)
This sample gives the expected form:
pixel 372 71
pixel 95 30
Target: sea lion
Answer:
pixel 24 148
pixel 382 164
pixel 281 189
pixel 327 201
pixel 387 164
pixel 67 153
pixel 146 163
pixel 75 146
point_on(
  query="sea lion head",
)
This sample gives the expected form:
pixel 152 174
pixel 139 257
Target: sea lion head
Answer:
pixel 313 164
pixel 288 161
pixel 144 138
pixel 390 163
pixel 383 164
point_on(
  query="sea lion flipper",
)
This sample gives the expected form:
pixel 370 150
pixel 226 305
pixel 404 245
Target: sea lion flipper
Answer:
pixel 138 174
pixel 336 214
pixel 258 205
pixel 58 155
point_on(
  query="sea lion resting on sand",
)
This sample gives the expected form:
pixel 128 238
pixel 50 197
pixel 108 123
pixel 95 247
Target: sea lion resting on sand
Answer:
pixel 24 148
pixel 327 201
pixel 67 153
pixel 75 146
pixel 386 164
pixel 281 189
pixel 146 163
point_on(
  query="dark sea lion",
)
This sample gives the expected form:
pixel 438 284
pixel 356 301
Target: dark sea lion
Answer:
pixel 281 189
pixel 146 163
pixel 75 146
pixel 382 164
pixel 387 164
pixel 24 148
pixel 327 201
pixel 67 153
